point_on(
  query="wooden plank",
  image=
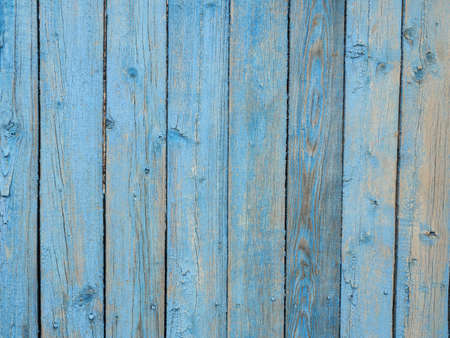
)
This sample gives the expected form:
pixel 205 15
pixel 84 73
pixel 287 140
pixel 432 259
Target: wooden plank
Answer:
pixel 257 143
pixel 370 159
pixel 314 168
pixel 197 168
pixel 18 162
pixel 135 168
pixel 423 214
pixel 71 211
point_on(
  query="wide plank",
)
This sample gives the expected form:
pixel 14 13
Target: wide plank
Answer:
pixel 314 189
pixel 135 168
pixel 257 166
pixel 19 168
pixel 423 197
pixel 197 168
pixel 372 73
pixel 71 208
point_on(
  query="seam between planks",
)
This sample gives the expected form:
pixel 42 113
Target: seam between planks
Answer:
pixel 166 167
pixel 286 160
pixel 342 162
pixel 228 167
pixel 397 177
pixel 104 150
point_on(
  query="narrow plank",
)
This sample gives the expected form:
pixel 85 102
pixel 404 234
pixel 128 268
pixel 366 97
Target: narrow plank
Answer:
pixel 314 190
pixel 18 162
pixel 370 158
pixel 423 214
pixel 135 168
pixel 257 143
pixel 71 211
pixel 197 168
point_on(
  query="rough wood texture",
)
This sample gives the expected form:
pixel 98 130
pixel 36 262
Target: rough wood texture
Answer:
pixel 316 77
pixel 370 159
pixel 257 136
pixel 197 169
pixel 18 164
pixel 135 168
pixel 423 214
pixel 71 211
pixel 195 145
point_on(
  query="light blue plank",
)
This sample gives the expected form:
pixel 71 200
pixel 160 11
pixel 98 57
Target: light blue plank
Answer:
pixel 423 202
pixel 197 168
pixel 135 168
pixel 316 77
pixel 18 163
pixel 71 211
pixel 372 70
pixel 257 136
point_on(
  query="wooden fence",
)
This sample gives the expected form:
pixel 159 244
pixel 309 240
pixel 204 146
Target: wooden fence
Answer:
pixel 213 168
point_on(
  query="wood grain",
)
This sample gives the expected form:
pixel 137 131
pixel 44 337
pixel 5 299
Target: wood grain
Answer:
pixel 257 143
pixel 372 72
pixel 71 211
pixel 316 77
pixel 218 125
pixel 135 168
pixel 18 163
pixel 423 202
pixel 197 168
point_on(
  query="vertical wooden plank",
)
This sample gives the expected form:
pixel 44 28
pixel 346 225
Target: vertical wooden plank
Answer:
pixel 314 168
pixel 370 160
pixel 135 168
pixel 71 212
pixel 423 214
pixel 197 168
pixel 257 136
pixel 18 161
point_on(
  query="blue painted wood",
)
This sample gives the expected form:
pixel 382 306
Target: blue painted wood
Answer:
pixel 372 71
pixel 135 168
pixel 314 184
pixel 71 212
pixel 197 168
pixel 423 198
pixel 257 143
pixel 18 163
pixel 227 89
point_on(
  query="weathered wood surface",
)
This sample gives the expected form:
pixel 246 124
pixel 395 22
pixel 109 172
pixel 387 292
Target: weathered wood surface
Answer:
pixel 372 73
pixel 179 140
pixel 197 169
pixel 257 146
pixel 423 195
pixel 316 78
pixel 19 171
pixel 71 211
pixel 135 206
